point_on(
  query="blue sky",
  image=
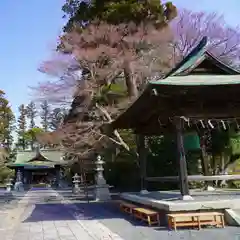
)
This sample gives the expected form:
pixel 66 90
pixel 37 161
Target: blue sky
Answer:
pixel 230 8
pixel 29 29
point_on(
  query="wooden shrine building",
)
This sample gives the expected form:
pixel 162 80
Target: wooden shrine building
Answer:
pixel 39 166
pixel 201 92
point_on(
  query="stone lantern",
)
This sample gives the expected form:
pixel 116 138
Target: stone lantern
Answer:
pixel 76 181
pixel 18 186
pixel 9 185
pixel 102 192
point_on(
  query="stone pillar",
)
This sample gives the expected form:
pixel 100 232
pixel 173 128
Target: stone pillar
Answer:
pixel 102 192
pixel 183 175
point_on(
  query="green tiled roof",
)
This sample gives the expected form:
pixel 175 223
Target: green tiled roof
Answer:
pixel 197 56
pixel 197 80
pixel 24 156
pixel 31 166
pixel 52 155
pixel 191 63
pixel 46 157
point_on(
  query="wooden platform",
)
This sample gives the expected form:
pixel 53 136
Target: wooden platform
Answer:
pixel 144 214
pixel 195 219
pixel 127 207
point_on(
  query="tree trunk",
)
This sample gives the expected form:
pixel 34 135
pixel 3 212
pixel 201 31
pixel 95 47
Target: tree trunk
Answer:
pixel 130 81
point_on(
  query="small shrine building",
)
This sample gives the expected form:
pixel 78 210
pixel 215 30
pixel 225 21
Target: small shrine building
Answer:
pixel 38 166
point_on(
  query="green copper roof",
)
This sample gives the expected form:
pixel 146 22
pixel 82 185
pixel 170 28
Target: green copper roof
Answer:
pixel 198 80
pixel 31 166
pixel 46 157
pixel 24 156
pixel 195 58
pixel 191 62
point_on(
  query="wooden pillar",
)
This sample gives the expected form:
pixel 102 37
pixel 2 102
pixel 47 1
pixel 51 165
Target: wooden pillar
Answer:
pixel 30 177
pixel 142 151
pixel 15 174
pixel 21 169
pixel 182 165
pixel 57 175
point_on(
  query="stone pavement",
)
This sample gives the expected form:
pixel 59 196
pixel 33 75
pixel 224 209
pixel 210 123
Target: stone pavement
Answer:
pixel 38 219
pixel 46 215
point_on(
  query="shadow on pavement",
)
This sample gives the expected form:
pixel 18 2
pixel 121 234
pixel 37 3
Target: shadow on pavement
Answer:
pixel 83 211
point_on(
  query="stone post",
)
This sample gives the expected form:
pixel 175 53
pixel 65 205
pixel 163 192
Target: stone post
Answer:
pixel 102 192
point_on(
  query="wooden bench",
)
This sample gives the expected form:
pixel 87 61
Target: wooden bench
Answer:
pixel 195 219
pixel 147 215
pixel 127 207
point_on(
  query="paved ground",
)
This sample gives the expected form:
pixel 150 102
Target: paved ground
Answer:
pixel 119 223
pixel 43 215
pixel 37 216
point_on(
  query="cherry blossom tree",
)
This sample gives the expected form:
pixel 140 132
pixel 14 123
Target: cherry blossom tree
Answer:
pixel 190 27
pixel 116 63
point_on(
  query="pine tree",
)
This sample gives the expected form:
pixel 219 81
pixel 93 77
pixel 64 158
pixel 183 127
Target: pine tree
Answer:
pixel 45 115
pixel 81 12
pixel 22 126
pixel 31 114
pixel 6 122
pixel 9 128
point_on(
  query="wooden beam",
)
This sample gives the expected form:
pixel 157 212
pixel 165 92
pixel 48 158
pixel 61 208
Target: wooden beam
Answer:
pixel 190 178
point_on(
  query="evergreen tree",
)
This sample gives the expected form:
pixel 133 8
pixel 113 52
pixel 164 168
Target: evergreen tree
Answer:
pixel 45 115
pixel 122 11
pixel 9 128
pixel 6 121
pixel 31 112
pixel 22 127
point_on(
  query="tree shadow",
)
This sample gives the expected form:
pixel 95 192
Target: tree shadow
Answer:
pixel 79 211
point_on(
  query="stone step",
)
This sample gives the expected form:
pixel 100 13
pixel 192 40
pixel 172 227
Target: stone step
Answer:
pixel 232 217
